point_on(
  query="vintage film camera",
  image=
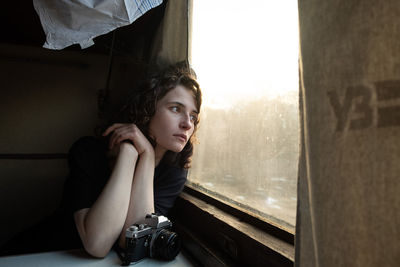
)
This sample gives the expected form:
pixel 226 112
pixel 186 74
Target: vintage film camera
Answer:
pixel 151 238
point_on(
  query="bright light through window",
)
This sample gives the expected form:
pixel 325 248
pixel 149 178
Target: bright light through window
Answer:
pixel 245 54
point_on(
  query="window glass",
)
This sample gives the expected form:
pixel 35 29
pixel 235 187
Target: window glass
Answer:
pixel 245 54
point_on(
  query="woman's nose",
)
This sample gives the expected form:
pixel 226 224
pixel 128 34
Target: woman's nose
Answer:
pixel 185 122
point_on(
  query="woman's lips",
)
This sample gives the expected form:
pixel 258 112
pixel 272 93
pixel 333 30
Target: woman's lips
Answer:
pixel 181 137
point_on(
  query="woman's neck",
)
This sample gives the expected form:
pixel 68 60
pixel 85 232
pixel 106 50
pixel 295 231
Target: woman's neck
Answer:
pixel 159 154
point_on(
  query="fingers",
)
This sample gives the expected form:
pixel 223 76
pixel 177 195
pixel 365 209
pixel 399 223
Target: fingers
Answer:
pixel 115 129
pixel 112 128
pixel 121 134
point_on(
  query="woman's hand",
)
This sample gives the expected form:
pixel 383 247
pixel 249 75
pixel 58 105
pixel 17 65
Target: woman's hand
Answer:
pixel 130 132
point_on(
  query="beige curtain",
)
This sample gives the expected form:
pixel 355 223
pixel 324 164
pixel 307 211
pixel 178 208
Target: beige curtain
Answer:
pixel 349 186
pixel 171 43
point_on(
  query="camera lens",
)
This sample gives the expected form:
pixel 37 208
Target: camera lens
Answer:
pixel 166 245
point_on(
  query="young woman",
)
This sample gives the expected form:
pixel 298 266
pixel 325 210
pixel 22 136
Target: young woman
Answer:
pixel 141 164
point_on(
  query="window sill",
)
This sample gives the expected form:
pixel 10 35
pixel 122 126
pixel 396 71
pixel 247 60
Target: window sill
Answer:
pixel 217 237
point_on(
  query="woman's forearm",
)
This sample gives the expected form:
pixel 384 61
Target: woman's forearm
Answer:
pixel 100 226
pixel 142 193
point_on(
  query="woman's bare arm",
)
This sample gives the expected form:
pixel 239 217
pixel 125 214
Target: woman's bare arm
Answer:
pixel 142 199
pixel 100 225
pixel 127 196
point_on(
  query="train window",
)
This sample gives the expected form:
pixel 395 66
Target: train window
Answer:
pixel 246 58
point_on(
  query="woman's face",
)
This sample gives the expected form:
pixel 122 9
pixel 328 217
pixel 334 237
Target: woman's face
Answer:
pixel 173 122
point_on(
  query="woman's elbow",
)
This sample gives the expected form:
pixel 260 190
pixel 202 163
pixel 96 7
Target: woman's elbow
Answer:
pixel 96 245
pixel 96 249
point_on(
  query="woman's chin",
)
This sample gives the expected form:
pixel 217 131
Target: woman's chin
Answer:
pixel 177 149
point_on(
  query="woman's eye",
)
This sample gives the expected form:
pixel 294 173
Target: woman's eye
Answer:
pixel 193 118
pixel 174 109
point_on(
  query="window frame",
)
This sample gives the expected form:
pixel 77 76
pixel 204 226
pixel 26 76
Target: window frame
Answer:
pixel 217 234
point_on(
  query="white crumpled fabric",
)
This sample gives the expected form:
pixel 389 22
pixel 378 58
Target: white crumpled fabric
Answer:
pixel 68 22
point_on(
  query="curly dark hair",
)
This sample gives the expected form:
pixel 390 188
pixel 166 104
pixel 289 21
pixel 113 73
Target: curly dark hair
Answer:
pixel 141 105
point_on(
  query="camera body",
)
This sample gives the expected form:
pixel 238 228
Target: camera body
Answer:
pixel 151 238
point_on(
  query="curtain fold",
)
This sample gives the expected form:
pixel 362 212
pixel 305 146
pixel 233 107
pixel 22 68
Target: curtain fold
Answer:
pixel 171 44
pixel 349 187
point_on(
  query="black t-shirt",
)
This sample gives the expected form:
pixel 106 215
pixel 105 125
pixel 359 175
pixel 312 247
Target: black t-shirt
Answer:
pixel 90 171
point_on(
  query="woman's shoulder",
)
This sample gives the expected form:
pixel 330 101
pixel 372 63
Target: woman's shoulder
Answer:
pixel 85 142
pixel 167 172
pixel 178 171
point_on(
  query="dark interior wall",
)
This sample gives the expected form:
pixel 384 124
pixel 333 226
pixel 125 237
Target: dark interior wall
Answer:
pixel 49 99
